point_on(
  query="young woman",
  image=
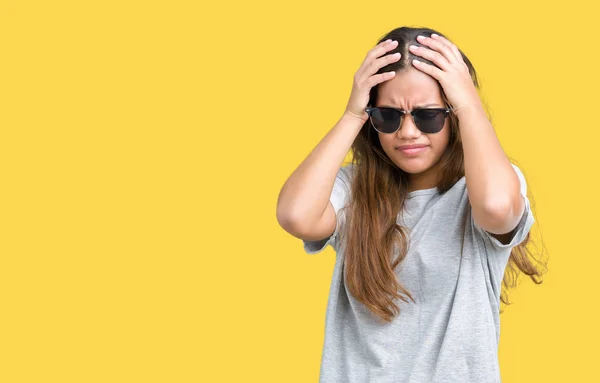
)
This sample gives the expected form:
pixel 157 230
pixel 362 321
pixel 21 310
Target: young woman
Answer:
pixel 424 221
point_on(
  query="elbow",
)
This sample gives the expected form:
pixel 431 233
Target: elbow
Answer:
pixel 284 219
pixel 289 219
pixel 498 209
pixel 501 217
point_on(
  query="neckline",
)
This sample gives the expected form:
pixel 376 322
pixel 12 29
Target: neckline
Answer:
pixel 429 191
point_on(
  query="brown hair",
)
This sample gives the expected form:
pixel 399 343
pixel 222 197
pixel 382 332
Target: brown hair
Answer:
pixel 378 193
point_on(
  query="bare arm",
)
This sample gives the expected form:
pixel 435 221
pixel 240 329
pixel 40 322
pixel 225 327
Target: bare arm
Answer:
pixel 492 183
pixel 303 207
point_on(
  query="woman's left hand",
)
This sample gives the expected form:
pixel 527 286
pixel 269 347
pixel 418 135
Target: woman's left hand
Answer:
pixel 451 71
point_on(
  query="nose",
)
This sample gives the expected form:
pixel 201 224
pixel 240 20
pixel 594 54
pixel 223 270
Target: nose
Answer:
pixel 408 130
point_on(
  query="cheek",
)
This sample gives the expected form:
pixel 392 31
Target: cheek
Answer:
pixel 386 141
pixel 441 140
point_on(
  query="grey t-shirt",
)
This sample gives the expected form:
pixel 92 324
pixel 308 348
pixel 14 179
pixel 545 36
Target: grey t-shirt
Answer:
pixel 452 332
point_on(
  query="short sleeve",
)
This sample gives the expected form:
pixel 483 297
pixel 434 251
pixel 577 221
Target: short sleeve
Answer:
pixel 524 225
pixel 338 198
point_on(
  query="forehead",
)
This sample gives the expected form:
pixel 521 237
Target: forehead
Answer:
pixel 408 88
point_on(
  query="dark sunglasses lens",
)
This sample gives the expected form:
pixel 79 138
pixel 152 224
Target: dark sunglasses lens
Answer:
pixel 385 120
pixel 430 121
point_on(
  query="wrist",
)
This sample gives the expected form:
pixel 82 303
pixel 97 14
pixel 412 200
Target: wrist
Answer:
pixel 354 118
pixel 469 111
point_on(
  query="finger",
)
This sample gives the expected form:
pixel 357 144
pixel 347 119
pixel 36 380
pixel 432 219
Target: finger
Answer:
pixel 428 69
pixel 379 78
pixel 382 48
pixel 383 61
pixel 438 46
pixel 376 52
pixel 451 45
pixel 431 55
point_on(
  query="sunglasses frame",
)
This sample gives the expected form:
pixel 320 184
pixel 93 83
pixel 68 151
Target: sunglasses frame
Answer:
pixel 403 113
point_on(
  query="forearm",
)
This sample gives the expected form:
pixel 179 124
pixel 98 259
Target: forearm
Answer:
pixel 305 195
pixel 492 184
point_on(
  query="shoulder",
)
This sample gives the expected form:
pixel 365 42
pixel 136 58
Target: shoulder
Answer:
pixel 521 179
pixel 345 175
pixel 347 171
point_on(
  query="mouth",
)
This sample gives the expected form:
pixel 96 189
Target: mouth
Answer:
pixel 412 151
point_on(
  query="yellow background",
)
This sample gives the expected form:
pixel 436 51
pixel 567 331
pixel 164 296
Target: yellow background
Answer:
pixel 144 144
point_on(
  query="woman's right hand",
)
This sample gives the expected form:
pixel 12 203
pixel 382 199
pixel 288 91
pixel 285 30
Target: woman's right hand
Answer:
pixel 365 78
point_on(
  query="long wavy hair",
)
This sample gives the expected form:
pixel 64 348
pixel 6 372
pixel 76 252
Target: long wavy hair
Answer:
pixel 378 192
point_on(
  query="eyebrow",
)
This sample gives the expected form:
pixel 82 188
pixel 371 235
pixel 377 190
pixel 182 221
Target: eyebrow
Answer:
pixel 416 106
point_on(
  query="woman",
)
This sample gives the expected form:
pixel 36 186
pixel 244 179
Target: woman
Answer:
pixel 425 220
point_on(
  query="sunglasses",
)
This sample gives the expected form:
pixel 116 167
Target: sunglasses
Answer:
pixel 388 120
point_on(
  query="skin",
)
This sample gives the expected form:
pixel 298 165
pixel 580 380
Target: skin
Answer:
pixel 410 89
pixel 492 183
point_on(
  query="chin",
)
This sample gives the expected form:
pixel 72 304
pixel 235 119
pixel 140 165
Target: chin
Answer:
pixel 414 169
pixel 413 165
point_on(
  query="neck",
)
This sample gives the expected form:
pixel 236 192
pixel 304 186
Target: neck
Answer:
pixel 420 181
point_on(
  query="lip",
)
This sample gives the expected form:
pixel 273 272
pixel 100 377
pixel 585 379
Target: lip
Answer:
pixel 412 150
